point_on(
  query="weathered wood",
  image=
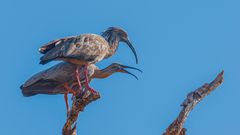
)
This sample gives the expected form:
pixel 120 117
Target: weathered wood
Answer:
pixel 78 105
pixel 176 128
pixel 193 98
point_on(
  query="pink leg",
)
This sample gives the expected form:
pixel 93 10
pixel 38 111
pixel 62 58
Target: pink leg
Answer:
pixel 66 101
pixel 87 80
pixel 78 79
pixel 69 90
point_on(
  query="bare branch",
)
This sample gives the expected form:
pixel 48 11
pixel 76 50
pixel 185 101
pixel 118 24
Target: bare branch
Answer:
pixel 193 98
pixel 78 105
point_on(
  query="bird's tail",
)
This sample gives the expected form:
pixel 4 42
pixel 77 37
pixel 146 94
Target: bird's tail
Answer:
pixel 43 62
pixel 46 58
pixel 49 90
pixel 26 92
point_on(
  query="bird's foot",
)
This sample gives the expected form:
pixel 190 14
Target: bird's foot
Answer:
pixel 87 81
pixel 91 89
pixel 70 90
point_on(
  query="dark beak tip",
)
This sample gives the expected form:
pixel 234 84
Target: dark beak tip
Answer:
pixel 130 74
pixel 139 70
pixel 136 77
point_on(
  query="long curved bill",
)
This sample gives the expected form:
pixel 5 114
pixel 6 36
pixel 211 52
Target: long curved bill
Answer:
pixel 125 71
pixel 133 50
pixel 124 66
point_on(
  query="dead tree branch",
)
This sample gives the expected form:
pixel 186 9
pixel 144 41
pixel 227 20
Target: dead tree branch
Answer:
pixel 78 105
pixel 193 98
pixel 176 128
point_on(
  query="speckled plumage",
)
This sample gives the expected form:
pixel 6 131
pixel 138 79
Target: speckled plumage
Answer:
pixel 85 49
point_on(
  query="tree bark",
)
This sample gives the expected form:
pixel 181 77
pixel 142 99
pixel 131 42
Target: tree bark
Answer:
pixel 175 128
pixel 193 98
pixel 78 105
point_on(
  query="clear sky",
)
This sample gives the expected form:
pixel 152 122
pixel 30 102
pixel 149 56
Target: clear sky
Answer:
pixel 180 44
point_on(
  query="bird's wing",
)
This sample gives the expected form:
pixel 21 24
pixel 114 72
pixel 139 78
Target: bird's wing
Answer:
pixel 50 45
pixel 86 47
pixel 38 84
pixel 43 87
pixel 60 73
pixel 49 81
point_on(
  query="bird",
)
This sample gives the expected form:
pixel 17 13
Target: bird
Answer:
pixel 60 79
pixel 85 49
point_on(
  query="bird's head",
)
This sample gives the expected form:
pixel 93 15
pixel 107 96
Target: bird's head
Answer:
pixel 116 67
pixel 115 34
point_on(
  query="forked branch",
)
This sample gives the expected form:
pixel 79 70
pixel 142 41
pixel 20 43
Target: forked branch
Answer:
pixel 176 128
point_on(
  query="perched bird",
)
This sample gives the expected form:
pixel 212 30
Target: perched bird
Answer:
pixel 85 49
pixel 60 79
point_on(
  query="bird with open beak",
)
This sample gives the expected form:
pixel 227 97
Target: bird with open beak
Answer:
pixel 85 49
pixel 60 79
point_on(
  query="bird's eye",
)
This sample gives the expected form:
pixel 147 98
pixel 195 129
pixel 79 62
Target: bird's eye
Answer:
pixel 124 34
pixel 116 67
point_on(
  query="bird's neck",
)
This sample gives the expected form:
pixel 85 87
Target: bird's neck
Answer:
pixel 113 42
pixel 104 73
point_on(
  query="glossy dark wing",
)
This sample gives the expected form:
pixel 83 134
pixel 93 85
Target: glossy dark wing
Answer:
pixel 86 47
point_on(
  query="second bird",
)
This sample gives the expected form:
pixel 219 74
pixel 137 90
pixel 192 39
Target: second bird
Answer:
pixel 85 49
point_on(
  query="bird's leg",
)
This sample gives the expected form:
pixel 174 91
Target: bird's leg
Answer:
pixel 73 85
pixel 66 102
pixel 78 79
pixel 69 90
pixel 87 80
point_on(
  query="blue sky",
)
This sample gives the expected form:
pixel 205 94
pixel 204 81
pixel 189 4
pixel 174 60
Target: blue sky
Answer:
pixel 180 44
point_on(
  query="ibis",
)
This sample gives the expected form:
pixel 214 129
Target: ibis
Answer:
pixel 60 79
pixel 85 49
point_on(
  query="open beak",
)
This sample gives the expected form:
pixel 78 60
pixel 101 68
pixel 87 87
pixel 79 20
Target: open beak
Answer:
pixel 124 66
pixel 125 71
pixel 133 50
